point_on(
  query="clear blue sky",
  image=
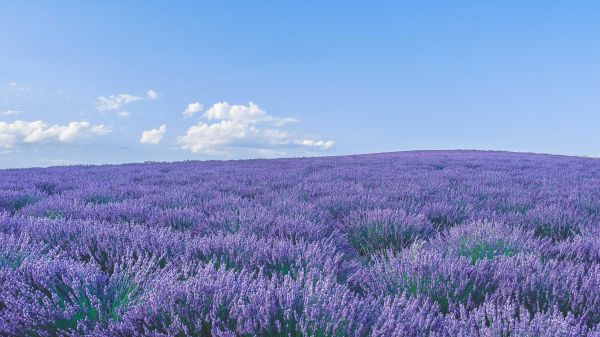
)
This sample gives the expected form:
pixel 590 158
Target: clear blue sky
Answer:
pixel 81 82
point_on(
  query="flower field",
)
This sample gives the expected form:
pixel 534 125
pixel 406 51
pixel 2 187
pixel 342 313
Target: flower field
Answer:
pixel 432 243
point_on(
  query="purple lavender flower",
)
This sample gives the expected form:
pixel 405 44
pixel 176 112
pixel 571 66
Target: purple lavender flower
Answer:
pixel 457 243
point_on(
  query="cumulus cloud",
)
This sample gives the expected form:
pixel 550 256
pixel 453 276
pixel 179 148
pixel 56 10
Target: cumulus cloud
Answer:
pixel 153 136
pixel 124 114
pixel 226 127
pixel 192 108
pixel 250 113
pixel 152 95
pixel 210 137
pixel 115 102
pixel 24 132
pixel 315 143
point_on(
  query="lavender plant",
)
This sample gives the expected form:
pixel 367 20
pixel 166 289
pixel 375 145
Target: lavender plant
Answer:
pixel 438 243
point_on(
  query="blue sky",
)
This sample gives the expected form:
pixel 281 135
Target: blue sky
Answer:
pixel 81 82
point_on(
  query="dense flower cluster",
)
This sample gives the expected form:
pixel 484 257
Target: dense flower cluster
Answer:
pixel 457 243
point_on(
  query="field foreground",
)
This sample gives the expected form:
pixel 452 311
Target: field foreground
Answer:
pixel 454 243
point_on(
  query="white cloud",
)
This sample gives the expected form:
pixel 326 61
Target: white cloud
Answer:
pixel 250 113
pixel 124 114
pixel 115 102
pixel 228 127
pixel 192 108
pixel 152 95
pixel 153 136
pixel 315 143
pixel 210 137
pixel 11 112
pixel 24 132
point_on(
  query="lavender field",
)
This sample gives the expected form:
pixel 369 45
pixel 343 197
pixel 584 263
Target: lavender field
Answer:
pixel 456 243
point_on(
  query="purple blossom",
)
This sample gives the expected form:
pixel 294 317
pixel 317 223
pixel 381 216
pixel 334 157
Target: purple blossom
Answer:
pixel 432 243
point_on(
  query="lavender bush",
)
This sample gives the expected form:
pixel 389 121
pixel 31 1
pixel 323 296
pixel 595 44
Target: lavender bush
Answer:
pixel 455 243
